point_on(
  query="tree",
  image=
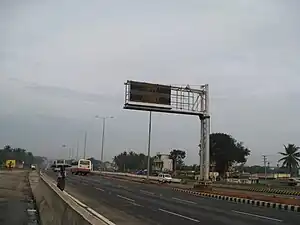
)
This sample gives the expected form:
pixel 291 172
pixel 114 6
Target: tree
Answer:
pixel 131 161
pixel 291 157
pixel 20 155
pixel 177 156
pixel 7 147
pixel 225 150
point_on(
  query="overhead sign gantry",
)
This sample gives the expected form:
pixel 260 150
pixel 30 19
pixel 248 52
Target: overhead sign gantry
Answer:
pixel 173 99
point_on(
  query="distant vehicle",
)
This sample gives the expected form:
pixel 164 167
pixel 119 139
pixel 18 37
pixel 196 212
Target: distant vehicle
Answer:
pixel 164 178
pixel 33 167
pixel 56 169
pixel 57 164
pixel 11 163
pixel 294 181
pixel 60 162
pixel 141 172
pixel 82 167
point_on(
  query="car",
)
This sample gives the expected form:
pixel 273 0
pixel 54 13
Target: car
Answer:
pixel 33 167
pixel 56 169
pixel 164 178
pixel 294 181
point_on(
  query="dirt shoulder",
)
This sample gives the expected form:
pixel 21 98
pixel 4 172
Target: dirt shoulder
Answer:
pixel 15 194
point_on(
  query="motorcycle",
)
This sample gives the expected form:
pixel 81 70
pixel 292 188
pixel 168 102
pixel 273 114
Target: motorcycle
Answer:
pixel 61 183
pixel 61 179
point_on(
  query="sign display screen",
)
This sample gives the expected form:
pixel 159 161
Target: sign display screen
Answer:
pixel 149 93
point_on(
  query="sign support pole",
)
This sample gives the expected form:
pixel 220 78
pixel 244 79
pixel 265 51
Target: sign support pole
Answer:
pixel 149 144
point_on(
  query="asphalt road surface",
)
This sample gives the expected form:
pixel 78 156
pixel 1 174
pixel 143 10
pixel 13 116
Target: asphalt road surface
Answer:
pixel 154 204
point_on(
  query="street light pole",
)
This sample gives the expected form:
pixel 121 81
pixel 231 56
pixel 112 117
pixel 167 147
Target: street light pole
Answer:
pixel 77 150
pixel 84 149
pixel 103 133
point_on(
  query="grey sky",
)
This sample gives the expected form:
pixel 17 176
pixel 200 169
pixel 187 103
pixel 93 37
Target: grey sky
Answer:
pixel 63 62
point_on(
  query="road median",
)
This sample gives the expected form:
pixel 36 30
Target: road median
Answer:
pixel 271 190
pixel 246 199
pixel 58 207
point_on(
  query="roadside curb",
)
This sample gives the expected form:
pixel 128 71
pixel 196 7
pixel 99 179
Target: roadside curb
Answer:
pixel 276 191
pixel 263 189
pixel 273 205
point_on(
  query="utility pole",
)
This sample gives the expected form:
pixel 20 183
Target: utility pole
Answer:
pixel 84 150
pixel 265 165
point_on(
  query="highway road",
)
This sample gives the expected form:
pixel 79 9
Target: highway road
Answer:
pixel 153 204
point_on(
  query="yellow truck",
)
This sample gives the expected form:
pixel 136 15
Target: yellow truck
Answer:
pixel 11 163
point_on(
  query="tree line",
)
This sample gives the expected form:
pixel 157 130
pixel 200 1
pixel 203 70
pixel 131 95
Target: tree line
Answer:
pixel 21 155
pixel 225 152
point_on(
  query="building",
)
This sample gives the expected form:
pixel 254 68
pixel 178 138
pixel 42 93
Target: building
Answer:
pixel 162 162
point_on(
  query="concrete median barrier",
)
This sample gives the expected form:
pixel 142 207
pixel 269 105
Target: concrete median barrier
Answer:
pixel 58 207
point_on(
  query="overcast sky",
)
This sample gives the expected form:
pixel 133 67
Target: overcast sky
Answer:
pixel 63 62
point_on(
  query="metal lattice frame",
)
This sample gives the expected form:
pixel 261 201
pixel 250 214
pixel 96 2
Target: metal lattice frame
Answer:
pixel 187 101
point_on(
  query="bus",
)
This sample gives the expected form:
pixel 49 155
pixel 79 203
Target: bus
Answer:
pixel 57 164
pixel 81 167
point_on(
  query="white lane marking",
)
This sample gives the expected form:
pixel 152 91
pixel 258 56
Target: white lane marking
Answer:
pixel 128 199
pixel 176 214
pixel 147 192
pixel 186 201
pixel 133 203
pixel 99 189
pixel 75 200
pixel 258 216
